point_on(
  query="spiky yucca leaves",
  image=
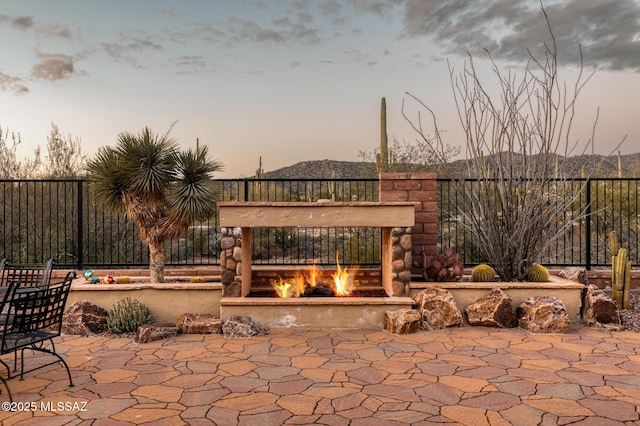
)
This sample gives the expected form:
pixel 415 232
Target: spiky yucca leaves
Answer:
pixel 538 273
pixel 483 273
pixel 160 188
pixel 193 191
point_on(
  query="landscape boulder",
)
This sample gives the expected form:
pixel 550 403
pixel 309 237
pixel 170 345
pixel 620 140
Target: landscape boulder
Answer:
pixel 238 326
pixel 437 309
pixel 402 321
pixel 84 319
pixel 151 332
pixel 199 324
pixel 598 309
pixel 492 310
pixel 543 314
pixel 578 275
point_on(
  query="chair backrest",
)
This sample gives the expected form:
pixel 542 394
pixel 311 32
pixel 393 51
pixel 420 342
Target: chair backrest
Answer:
pixel 34 314
pixel 29 274
pixel 6 295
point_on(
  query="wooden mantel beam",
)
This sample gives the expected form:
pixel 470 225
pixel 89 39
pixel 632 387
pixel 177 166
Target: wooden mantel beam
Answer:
pixel 320 214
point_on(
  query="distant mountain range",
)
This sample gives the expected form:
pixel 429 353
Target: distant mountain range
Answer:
pixel 324 169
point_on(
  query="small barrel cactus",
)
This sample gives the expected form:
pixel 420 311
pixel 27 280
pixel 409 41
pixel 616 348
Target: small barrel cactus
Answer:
pixel 483 273
pixel 127 315
pixel 123 280
pixel 538 273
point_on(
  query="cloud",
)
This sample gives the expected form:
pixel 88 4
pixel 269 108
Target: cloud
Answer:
pixel 207 32
pixel 191 64
pixel 53 29
pixel 130 48
pixel 242 30
pixel 21 22
pixel 332 10
pixel 53 67
pixel 48 29
pixel 607 30
pixel 12 84
pixel 382 8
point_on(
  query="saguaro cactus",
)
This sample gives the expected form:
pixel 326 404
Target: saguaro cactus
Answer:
pixel 620 273
pixel 259 186
pixel 382 159
pixel 260 170
pixel 331 187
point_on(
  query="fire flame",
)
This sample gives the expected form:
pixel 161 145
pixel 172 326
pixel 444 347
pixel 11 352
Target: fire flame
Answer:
pixel 342 279
pixel 284 289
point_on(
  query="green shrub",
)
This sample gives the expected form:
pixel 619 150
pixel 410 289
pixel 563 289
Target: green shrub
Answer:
pixel 127 315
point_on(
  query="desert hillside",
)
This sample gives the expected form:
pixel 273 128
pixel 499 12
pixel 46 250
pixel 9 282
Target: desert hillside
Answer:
pixel 324 169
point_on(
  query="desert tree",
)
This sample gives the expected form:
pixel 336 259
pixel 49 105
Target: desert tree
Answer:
pixel 64 157
pixel 518 130
pixel 11 167
pixel 161 188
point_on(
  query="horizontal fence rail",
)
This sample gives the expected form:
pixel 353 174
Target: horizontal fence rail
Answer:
pixel 41 219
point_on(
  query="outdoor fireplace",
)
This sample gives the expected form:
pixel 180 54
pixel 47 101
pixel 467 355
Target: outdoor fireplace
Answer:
pixel 394 218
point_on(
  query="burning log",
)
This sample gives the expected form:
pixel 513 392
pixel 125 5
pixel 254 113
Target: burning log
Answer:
pixel 318 290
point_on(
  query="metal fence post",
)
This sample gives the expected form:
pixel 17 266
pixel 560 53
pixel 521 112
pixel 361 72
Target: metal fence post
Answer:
pixel 588 226
pixel 79 231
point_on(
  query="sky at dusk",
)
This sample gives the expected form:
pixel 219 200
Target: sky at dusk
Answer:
pixel 293 80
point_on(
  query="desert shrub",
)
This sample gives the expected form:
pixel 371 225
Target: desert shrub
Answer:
pixel 127 315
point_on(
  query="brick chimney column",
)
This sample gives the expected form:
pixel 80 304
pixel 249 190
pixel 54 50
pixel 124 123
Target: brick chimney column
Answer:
pixel 419 188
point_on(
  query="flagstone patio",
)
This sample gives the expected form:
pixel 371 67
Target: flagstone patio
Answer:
pixel 333 377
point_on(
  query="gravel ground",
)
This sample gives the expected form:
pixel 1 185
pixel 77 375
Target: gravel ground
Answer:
pixel 631 317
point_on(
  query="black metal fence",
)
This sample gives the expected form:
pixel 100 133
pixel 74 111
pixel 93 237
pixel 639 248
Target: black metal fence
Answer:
pixel 40 219
pixel 602 205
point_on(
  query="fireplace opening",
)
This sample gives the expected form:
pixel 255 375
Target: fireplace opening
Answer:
pixel 315 282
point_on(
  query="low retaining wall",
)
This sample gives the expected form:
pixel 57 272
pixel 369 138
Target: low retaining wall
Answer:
pixel 166 301
pixel 602 278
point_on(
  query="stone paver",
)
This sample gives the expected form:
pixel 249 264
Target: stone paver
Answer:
pixel 339 377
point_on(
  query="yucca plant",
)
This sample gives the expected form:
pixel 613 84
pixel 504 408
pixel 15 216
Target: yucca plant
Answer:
pixel 159 187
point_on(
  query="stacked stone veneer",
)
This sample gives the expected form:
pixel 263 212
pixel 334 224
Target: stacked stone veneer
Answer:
pixel 419 188
pixel 231 262
pixel 401 261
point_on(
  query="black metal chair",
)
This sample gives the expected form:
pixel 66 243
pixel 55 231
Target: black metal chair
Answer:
pixel 32 319
pixel 29 274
